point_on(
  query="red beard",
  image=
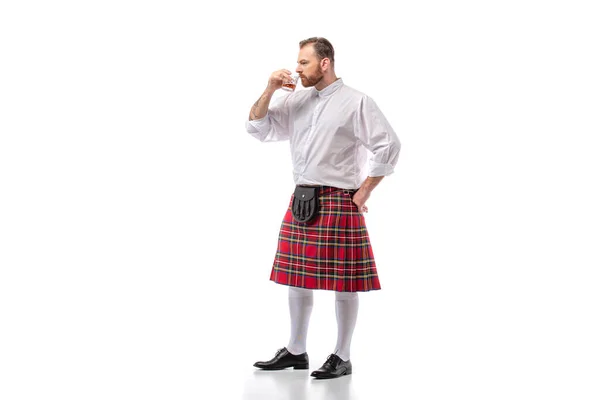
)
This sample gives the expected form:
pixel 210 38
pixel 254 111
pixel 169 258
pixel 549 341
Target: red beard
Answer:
pixel 309 81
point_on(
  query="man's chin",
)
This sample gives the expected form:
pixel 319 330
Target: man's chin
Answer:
pixel 309 83
pixel 306 83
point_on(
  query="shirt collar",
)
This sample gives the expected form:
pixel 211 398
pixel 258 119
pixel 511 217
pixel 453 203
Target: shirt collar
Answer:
pixel 329 90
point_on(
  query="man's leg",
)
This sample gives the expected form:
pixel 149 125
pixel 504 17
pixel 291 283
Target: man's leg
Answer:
pixel 294 355
pixel 338 364
pixel 346 311
pixel 301 305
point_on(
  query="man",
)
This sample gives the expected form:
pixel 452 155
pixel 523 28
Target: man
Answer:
pixel 331 127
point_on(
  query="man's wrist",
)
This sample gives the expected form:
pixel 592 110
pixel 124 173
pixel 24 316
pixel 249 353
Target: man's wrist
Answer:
pixel 370 183
pixel 270 91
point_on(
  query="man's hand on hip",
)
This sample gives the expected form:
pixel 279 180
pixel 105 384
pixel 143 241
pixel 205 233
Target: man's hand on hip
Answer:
pixel 362 195
pixel 360 198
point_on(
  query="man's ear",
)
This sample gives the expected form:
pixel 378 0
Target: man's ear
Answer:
pixel 325 63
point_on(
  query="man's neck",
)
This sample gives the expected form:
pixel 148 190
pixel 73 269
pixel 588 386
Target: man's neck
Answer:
pixel 326 81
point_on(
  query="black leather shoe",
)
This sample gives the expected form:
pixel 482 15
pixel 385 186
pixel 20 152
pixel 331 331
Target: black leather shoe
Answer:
pixel 334 367
pixel 284 359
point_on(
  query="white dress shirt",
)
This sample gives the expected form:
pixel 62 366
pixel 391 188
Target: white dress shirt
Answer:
pixel 330 132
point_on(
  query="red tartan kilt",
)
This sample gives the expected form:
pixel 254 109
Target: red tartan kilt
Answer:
pixel 332 253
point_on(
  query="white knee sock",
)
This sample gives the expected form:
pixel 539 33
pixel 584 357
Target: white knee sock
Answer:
pixel 346 311
pixel 301 304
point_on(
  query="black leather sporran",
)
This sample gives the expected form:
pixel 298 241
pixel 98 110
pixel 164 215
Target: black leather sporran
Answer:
pixel 305 206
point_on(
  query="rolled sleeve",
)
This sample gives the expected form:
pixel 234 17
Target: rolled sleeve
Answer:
pixel 274 126
pixel 377 169
pixel 259 128
pixel 377 135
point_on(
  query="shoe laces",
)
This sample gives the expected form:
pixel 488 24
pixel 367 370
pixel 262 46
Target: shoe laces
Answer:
pixel 331 360
pixel 281 350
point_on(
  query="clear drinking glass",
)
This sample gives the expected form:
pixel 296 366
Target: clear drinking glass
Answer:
pixel 290 84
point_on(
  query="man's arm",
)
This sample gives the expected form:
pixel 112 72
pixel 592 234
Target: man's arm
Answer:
pixel 376 134
pixel 362 195
pixel 260 108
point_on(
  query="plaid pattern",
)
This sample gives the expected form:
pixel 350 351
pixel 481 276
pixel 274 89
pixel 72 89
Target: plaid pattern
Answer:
pixel 332 253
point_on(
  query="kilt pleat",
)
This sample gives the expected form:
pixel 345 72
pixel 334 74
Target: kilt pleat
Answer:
pixel 332 253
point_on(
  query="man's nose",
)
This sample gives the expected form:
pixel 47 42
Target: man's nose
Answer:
pixel 299 69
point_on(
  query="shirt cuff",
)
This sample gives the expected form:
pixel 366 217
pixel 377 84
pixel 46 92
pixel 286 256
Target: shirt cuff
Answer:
pixel 258 125
pixel 376 169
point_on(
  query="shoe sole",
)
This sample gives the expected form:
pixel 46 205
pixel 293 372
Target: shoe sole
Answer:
pixel 301 366
pixel 321 376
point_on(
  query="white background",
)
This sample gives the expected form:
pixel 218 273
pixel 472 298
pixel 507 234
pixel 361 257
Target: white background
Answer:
pixel 138 220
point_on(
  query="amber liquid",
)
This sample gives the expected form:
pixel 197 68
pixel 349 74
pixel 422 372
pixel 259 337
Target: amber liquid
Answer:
pixel 289 86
